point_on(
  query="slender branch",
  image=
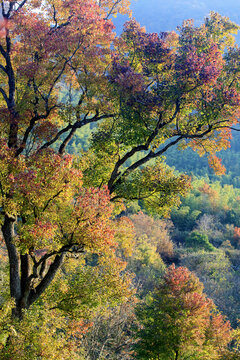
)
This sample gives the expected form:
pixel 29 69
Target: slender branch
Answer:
pixel 3 69
pixel 30 128
pixel 4 96
pixel 112 8
pixel 58 27
pixel 11 6
pixel 64 249
pixel 25 137
pixel 50 200
pixel 134 150
pixel 141 162
pixel 160 124
pixel 22 4
pixel 57 136
pixel 152 155
pixel 229 127
pixel 54 16
pixel 63 68
pixel 78 124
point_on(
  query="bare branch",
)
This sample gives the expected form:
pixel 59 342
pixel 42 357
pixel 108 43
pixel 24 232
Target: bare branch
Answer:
pixel 30 128
pixel 136 149
pixel 144 160
pixel 229 127
pixel 62 70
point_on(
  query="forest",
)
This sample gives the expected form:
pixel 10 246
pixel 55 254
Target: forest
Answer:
pixel 119 184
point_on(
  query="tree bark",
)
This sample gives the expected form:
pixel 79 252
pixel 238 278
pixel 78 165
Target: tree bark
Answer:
pixel 176 356
pixel 21 275
pixel 25 282
pixel 46 281
pixel 15 282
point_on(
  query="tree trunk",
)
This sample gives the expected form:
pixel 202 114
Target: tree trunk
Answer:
pixel 22 272
pixel 15 283
pixel 25 281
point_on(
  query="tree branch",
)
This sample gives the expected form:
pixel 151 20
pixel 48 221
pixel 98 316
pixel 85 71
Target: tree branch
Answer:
pixel 57 136
pixel 4 96
pixel 135 150
pixel 3 69
pixel 47 279
pixel 63 68
pixel 144 160
pixel 56 264
pixel 50 200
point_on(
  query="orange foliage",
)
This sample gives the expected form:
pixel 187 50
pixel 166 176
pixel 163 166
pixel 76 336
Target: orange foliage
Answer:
pixel 157 232
pixel 215 163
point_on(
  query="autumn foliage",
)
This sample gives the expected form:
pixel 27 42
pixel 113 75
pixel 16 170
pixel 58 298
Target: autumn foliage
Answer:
pixel 47 215
pixel 179 321
pixel 62 67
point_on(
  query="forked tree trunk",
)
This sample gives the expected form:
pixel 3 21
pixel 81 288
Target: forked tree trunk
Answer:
pixel 22 272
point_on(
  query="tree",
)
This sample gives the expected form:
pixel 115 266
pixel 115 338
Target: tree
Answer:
pixel 61 69
pixel 198 240
pixel 170 89
pixel 179 321
pixel 111 336
pixel 156 232
pixel 45 211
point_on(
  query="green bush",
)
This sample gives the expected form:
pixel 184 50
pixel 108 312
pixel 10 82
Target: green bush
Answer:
pixel 198 240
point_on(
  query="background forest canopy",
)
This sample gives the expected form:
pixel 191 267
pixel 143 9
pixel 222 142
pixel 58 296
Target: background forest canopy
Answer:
pixel 83 264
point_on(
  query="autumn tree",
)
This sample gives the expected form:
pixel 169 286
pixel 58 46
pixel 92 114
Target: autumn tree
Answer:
pixel 179 321
pixel 157 232
pixel 46 213
pixel 170 89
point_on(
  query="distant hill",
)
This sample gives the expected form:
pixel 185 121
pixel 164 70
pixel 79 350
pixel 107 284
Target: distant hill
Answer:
pixel 162 15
